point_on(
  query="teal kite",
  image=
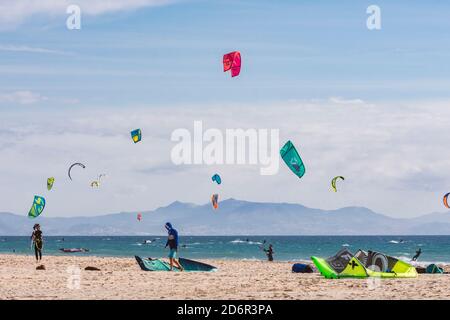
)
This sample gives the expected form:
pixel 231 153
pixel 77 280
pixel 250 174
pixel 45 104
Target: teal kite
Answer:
pixel 50 182
pixel 333 182
pixel 217 178
pixel 292 159
pixel 136 135
pixel 37 207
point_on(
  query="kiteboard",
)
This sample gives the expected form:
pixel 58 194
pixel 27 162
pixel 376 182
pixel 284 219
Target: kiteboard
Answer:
pixel 149 264
pixel 73 250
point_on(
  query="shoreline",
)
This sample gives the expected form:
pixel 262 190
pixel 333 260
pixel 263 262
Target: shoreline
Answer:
pixel 131 256
pixel 445 264
pixel 121 278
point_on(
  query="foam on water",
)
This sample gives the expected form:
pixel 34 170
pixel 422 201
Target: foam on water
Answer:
pixel 244 241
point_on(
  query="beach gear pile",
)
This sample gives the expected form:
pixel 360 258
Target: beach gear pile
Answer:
pixel 302 268
pixel 363 265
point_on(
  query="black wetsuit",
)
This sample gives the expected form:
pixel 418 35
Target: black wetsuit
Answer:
pixel 38 243
pixel 269 253
pixel 418 252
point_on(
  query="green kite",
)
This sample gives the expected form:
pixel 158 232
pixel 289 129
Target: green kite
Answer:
pixel 292 159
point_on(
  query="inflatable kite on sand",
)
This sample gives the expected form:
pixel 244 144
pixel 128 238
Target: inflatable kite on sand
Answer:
pixel 363 264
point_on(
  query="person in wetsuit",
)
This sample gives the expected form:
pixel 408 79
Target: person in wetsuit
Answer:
pixel 269 252
pixel 418 252
pixel 38 242
pixel 172 242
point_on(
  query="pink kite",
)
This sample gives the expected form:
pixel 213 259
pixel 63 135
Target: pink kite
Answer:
pixel 232 61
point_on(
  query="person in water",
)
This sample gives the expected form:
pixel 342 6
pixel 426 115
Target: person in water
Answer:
pixel 38 242
pixel 269 252
pixel 418 252
pixel 172 242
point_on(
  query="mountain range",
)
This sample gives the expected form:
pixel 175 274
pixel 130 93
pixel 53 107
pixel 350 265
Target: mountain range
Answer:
pixel 234 217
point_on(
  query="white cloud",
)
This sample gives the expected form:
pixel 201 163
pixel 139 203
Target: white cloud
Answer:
pixel 340 100
pixel 21 97
pixel 27 49
pixel 14 12
pixel 393 157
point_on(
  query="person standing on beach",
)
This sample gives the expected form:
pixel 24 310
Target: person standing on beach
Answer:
pixel 418 252
pixel 172 242
pixel 269 252
pixel 38 243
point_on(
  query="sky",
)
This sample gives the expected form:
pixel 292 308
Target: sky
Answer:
pixel 370 105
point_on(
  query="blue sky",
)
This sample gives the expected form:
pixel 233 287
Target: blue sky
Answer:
pixel 369 105
pixel 291 50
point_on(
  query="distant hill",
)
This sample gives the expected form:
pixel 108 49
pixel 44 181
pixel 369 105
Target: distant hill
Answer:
pixel 234 217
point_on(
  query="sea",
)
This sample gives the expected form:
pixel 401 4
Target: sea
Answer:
pixel 435 249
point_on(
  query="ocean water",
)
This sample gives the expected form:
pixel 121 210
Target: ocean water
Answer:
pixel 287 248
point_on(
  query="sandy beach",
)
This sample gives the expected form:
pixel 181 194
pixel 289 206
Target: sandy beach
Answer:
pixel 121 278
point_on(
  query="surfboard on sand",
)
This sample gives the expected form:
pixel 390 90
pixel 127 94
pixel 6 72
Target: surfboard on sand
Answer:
pixel 149 264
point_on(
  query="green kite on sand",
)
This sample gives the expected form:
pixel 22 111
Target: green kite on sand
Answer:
pixel 363 265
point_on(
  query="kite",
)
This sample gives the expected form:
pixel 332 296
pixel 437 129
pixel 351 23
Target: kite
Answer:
pixel 95 184
pixel 50 182
pixel 446 200
pixel 292 159
pixel 136 135
pixel 215 201
pixel 37 207
pixel 333 182
pixel 232 61
pixel 73 165
pixel 217 178
pixel 139 216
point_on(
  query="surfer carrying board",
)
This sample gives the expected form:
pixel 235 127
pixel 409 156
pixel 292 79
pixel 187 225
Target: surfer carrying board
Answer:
pixel 37 242
pixel 172 242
